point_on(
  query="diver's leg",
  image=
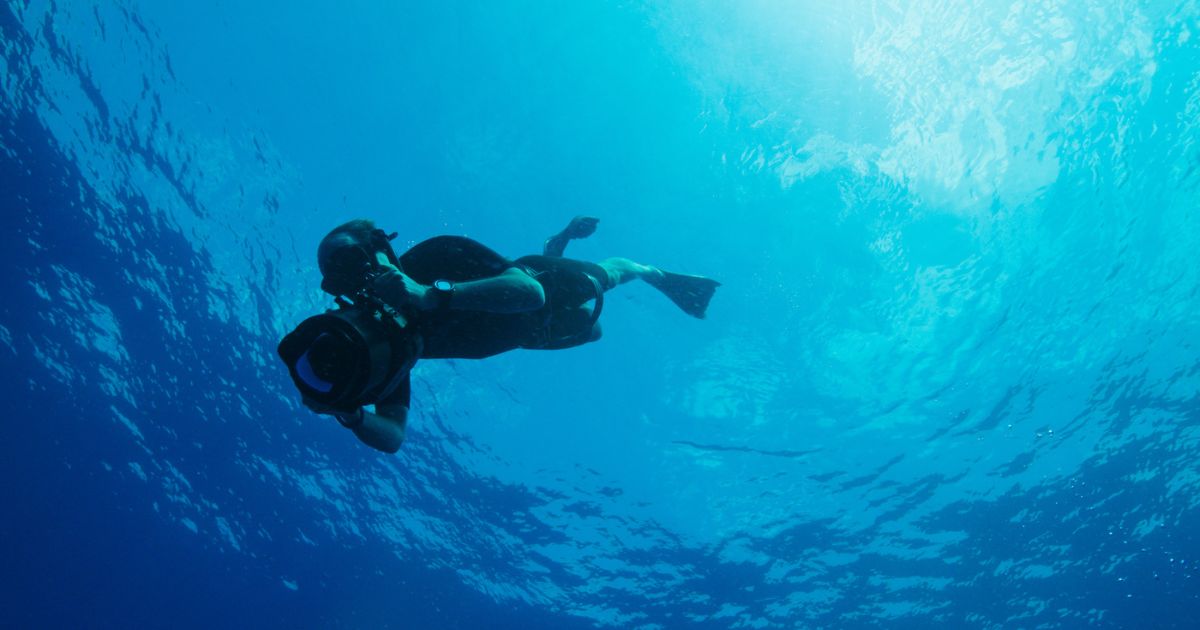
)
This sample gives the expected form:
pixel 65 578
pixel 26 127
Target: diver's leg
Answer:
pixel 579 227
pixel 569 328
pixel 690 293
pixel 622 270
pixel 555 246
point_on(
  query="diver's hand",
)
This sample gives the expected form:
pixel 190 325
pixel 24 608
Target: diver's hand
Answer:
pixel 401 292
pixel 581 227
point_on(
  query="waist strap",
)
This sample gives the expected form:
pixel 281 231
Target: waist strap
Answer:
pixel 599 305
pixel 549 333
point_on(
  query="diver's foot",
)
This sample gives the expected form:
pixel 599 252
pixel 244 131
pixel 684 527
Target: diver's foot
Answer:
pixel 579 227
pixel 649 274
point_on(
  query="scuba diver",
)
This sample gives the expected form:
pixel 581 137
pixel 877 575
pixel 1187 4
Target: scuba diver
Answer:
pixel 448 297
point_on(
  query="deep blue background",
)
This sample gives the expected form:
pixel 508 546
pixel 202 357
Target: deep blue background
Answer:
pixel 951 377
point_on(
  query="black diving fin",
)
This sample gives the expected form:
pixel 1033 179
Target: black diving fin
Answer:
pixel 690 293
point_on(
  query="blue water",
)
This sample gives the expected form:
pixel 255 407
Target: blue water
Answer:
pixel 950 380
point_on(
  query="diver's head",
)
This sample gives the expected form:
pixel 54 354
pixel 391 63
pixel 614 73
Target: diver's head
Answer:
pixel 347 358
pixel 348 255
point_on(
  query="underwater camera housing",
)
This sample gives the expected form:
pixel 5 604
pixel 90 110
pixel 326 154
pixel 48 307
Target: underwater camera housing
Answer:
pixel 345 358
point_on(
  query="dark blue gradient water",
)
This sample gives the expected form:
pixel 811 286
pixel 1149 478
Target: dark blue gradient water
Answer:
pixel 950 380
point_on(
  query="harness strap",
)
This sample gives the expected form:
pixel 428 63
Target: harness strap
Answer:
pixel 545 330
pixel 599 306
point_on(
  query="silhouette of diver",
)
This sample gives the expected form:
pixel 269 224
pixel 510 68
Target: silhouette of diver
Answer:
pixel 447 297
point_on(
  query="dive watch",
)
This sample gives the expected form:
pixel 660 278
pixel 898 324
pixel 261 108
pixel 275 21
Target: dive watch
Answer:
pixel 442 291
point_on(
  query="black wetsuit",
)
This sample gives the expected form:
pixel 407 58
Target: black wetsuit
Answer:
pixel 562 322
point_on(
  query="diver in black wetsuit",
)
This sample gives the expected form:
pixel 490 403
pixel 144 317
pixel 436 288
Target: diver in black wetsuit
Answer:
pixel 447 297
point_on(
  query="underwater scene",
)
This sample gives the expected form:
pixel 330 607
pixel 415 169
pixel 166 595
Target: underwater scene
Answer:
pixel 949 378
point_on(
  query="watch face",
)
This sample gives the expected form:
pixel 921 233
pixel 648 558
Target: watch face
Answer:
pixel 443 285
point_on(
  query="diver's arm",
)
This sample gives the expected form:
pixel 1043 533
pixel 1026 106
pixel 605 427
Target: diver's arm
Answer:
pixel 513 291
pixel 382 430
